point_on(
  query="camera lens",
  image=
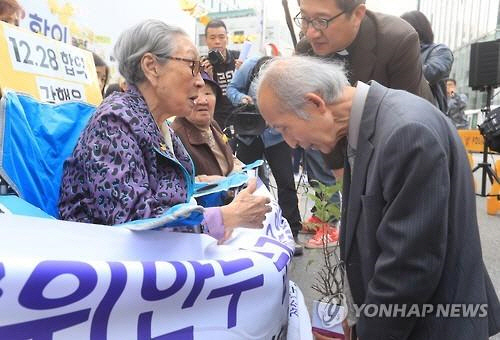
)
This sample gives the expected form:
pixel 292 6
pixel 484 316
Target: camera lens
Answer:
pixel 215 57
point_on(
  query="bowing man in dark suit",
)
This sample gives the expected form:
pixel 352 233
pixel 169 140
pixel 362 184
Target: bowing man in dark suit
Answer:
pixel 409 232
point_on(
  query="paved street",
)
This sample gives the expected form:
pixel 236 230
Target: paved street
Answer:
pixel 304 268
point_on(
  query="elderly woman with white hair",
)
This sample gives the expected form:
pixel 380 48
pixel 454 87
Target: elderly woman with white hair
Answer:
pixel 128 164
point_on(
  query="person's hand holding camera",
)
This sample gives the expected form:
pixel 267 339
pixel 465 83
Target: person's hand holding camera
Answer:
pixel 207 66
pixel 246 100
pixel 238 63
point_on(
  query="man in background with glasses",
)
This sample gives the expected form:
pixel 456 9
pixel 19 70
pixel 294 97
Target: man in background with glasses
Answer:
pixel 375 46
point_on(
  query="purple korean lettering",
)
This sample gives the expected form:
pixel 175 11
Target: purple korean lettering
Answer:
pixel 201 273
pixel 150 292
pixel 99 327
pixel 32 297
pixel 284 257
pixel 234 266
pixel 144 330
pixel 235 290
pixel 2 274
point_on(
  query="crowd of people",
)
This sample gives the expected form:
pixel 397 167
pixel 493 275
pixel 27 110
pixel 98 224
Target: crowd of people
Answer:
pixel 367 97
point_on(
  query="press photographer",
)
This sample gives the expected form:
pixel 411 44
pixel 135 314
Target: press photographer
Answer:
pixel 220 63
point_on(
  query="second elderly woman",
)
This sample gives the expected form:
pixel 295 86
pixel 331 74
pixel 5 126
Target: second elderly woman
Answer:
pixel 202 136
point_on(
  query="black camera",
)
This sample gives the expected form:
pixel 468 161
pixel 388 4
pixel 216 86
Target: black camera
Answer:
pixel 247 121
pixel 215 57
pixel 490 129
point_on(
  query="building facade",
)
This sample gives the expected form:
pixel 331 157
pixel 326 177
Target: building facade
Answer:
pixel 458 24
pixel 224 5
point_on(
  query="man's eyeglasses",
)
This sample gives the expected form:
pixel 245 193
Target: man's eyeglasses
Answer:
pixel 317 23
pixel 196 66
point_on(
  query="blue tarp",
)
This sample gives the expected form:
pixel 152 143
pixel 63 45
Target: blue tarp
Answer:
pixel 35 139
pixel 11 204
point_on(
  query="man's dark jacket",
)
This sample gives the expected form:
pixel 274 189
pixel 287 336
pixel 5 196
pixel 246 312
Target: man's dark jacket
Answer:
pixel 222 74
pixel 409 230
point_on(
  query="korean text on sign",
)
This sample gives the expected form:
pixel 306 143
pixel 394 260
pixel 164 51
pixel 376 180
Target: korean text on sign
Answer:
pixel 51 59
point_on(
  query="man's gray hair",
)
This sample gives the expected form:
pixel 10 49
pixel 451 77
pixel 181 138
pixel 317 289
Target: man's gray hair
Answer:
pixel 291 78
pixel 153 36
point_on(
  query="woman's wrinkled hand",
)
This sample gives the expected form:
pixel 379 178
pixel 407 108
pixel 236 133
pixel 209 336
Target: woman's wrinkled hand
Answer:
pixel 246 210
pixel 208 178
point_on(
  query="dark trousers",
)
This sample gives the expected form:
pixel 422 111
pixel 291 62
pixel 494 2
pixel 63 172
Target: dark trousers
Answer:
pixel 279 158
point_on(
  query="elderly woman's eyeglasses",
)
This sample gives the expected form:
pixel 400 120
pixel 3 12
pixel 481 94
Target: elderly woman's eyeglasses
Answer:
pixel 196 66
pixel 317 23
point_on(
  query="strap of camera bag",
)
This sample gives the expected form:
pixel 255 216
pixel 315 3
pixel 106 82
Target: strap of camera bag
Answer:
pixel 255 71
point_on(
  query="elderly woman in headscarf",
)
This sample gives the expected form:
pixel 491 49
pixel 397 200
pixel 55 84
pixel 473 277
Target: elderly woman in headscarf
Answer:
pixel 124 167
pixel 203 137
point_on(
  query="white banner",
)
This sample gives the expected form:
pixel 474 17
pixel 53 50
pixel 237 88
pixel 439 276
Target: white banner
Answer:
pixel 64 280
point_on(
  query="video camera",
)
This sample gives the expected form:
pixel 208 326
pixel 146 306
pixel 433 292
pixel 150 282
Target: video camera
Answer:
pixel 490 129
pixel 247 121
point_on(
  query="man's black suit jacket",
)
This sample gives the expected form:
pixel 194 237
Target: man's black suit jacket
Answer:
pixel 409 232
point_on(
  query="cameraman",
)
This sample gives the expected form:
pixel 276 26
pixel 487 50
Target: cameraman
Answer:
pixel 270 143
pixel 456 105
pixel 220 64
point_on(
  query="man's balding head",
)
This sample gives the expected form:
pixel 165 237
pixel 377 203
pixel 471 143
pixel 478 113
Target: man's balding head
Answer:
pixel 291 78
pixel 296 95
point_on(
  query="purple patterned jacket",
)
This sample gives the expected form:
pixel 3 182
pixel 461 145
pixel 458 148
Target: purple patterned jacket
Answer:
pixel 121 169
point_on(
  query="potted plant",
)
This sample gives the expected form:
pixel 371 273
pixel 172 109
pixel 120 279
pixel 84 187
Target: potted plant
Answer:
pixel 326 215
pixel 330 310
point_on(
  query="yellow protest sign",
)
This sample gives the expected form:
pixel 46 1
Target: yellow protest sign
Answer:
pixel 472 139
pixel 47 69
